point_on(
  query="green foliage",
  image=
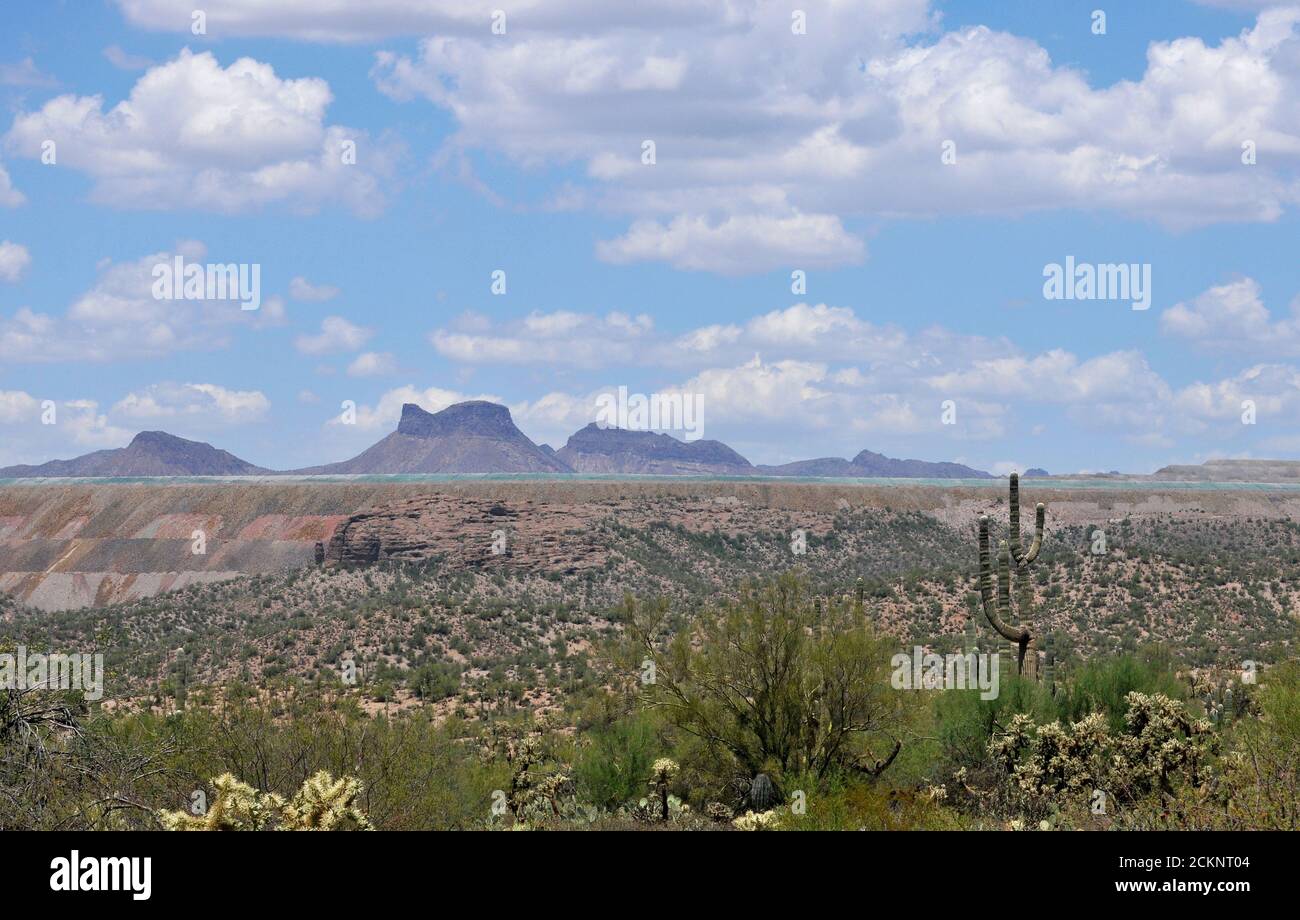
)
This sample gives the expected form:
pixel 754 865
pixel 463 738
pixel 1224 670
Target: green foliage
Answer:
pixel 965 723
pixel 1103 685
pixel 612 770
pixel 775 683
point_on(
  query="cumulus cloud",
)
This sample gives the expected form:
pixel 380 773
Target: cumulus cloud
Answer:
pixel 122 60
pixel 197 402
pixel 25 73
pixel 195 135
pixel 372 364
pixel 10 197
pixel 341 21
pixel 302 289
pixel 738 244
pixel 119 318
pixel 77 426
pixel 561 337
pixel 14 260
pixel 336 334
pixel 766 142
pixel 1233 316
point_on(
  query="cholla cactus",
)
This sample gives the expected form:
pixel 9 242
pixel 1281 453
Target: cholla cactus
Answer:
pixel 326 804
pixel 758 821
pixel 1159 747
pixel 323 803
pixel 716 811
pixel 661 774
pixel 998 607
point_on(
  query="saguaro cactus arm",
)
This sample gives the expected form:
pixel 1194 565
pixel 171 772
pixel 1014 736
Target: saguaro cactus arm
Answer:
pixel 1022 558
pixel 996 598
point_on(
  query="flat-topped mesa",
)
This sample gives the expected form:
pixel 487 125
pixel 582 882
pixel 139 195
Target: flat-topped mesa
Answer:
pixel 469 437
pixel 475 417
pixel 995 596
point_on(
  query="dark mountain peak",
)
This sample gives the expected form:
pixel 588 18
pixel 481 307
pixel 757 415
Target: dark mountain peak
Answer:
pixel 867 457
pixel 150 453
pixel 475 416
pixel 598 449
pixel 161 440
pixel 468 437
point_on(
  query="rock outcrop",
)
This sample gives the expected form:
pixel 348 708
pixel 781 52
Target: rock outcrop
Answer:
pixel 472 532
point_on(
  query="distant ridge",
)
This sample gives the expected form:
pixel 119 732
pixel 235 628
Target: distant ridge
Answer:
pixel 480 437
pixel 1232 471
pixel 867 465
pixel 594 449
pixel 150 453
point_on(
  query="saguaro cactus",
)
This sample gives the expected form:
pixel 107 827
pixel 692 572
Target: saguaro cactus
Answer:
pixel 996 595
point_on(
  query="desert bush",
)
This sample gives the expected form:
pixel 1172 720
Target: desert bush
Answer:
pixel 611 770
pixel 774 683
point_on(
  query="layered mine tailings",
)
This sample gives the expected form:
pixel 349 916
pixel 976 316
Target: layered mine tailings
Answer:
pixel 65 546
pixel 74 545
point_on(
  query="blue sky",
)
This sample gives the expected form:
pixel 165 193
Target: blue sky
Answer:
pixel 775 152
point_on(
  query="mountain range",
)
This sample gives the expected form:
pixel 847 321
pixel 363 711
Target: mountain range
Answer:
pixel 481 437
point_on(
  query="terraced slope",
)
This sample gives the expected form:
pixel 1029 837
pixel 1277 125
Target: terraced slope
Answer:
pixel 78 545
pixel 74 545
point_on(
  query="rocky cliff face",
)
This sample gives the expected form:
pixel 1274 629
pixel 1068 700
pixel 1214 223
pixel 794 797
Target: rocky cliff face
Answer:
pixel 469 437
pixel 615 450
pixel 150 453
pixel 471 532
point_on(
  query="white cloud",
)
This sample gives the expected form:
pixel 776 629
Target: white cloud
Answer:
pixel 372 364
pixel 336 334
pixel 302 289
pixel 343 21
pixel 78 426
pixel 17 406
pixel 1233 316
pixel 25 73
pixel 14 260
pixel 119 318
pixel 201 402
pixel 125 61
pixel 193 135
pixel 767 142
pixel 10 197
pixel 738 244
pixel 562 337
